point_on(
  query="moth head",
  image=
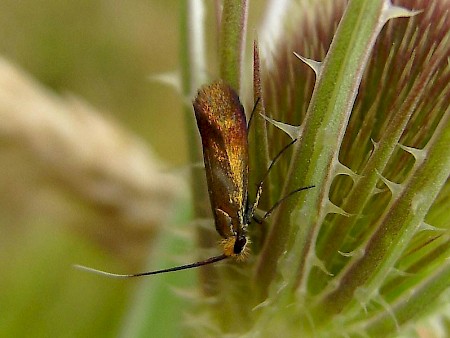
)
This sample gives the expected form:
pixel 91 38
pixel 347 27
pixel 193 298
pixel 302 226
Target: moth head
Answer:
pixel 236 246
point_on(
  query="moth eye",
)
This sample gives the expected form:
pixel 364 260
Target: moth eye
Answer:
pixel 239 245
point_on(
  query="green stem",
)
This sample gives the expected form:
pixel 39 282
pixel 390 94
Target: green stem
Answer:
pixel 431 284
pixel 259 140
pixel 232 41
pixel 395 229
pixel 316 155
pixel 365 186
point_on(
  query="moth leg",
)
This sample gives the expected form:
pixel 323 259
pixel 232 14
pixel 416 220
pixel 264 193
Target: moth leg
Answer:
pixel 224 216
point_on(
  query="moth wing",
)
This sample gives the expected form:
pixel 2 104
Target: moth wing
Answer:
pixel 223 129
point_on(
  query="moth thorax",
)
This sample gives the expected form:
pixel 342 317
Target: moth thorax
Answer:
pixel 235 246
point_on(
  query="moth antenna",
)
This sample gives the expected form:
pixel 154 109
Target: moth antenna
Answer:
pixel 208 261
pixel 266 174
pixel 275 159
pixel 267 214
pixel 253 113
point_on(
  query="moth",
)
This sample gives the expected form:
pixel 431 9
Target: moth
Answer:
pixel 223 128
pixel 224 134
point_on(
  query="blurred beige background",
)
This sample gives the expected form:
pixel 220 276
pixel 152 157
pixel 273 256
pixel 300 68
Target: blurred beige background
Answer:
pixel 92 164
pixel 86 142
pixel 105 52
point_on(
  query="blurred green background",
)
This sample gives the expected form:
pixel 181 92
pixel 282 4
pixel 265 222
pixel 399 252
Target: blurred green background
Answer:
pixel 103 52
